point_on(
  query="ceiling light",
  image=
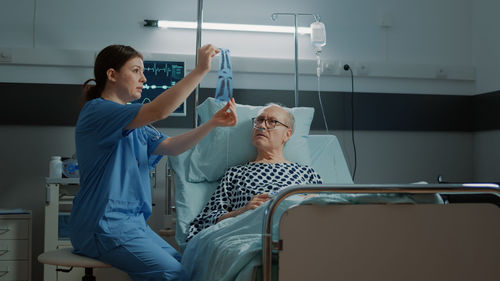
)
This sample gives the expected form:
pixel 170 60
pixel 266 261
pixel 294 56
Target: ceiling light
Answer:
pixel 226 26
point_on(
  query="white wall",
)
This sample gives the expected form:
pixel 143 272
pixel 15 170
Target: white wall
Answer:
pixel 407 157
pixel 486 156
pixel 487 57
pixel 424 36
pixel 487 45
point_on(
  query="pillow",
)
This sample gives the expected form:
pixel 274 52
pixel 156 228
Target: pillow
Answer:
pixel 225 147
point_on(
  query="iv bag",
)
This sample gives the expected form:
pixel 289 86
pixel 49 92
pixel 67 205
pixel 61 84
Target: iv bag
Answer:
pixel 318 35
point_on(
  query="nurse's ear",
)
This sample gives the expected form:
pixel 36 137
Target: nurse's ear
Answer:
pixel 111 74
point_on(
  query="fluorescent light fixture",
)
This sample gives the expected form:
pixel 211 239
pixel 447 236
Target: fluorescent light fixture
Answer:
pixel 481 185
pixel 226 26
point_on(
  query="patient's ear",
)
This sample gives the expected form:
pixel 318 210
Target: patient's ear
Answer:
pixel 288 135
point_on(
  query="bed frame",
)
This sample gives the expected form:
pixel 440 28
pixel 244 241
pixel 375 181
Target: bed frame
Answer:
pixel 457 240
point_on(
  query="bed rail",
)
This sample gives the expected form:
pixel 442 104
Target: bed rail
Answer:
pixel 269 246
pixel 169 190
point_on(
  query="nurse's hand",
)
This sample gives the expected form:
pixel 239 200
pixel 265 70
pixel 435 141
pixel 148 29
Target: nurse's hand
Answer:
pixel 205 55
pixel 226 116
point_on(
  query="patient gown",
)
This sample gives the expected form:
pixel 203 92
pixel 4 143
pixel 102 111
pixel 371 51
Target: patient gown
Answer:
pixel 241 183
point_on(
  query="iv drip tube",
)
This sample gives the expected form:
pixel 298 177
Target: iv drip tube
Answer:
pixel 318 73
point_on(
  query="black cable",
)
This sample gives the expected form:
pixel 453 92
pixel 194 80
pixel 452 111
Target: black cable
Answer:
pixel 346 68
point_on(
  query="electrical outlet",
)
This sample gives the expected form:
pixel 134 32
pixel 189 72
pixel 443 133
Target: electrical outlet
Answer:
pixel 384 19
pixel 441 73
pixel 327 68
pixel 5 55
pixel 362 69
pixel 336 67
pixel 330 68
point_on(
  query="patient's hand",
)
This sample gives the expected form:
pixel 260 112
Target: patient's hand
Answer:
pixel 256 201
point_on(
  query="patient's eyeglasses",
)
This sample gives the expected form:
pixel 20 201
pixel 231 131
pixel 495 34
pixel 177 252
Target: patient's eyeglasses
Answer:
pixel 270 123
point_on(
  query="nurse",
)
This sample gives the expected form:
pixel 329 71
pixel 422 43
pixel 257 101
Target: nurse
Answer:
pixel 116 148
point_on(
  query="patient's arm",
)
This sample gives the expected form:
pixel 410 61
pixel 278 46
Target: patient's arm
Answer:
pixel 256 201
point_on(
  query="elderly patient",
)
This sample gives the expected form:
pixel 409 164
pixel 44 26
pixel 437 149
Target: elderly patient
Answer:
pixel 246 187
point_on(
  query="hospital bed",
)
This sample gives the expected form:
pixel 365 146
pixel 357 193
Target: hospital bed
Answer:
pixel 456 239
pixel 359 232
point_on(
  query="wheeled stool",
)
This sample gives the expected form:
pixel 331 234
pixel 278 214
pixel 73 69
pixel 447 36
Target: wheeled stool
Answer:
pixel 65 257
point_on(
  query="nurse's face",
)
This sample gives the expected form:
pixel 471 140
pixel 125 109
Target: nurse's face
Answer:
pixel 129 80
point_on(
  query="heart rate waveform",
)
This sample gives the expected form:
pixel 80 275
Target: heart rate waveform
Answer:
pixel 156 69
pixel 153 87
pixel 160 76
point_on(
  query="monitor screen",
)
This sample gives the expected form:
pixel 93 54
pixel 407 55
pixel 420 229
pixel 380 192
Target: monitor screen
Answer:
pixel 160 76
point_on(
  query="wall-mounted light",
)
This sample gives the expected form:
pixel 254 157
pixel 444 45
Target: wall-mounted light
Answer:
pixel 226 26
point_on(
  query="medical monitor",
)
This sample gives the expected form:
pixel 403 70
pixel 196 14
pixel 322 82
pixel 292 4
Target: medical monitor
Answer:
pixel 160 76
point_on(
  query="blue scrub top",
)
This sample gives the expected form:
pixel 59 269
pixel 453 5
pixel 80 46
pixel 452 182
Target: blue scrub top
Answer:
pixel 114 200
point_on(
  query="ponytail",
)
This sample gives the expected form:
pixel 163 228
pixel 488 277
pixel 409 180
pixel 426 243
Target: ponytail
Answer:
pixel 90 91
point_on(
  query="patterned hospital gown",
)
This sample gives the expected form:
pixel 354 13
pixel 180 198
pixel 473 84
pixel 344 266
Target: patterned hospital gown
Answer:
pixel 241 183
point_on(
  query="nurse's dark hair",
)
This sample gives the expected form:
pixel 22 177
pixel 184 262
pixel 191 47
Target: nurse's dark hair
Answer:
pixel 113 56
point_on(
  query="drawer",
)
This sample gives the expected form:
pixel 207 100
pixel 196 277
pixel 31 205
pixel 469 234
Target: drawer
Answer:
pixel 13 250
pixel 14 229
pixel 13 270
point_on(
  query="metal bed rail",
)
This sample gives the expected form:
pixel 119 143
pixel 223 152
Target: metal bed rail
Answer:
pixel 169 190
pixel 268 245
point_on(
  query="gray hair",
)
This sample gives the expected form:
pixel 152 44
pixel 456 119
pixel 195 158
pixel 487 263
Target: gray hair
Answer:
pixel 290 117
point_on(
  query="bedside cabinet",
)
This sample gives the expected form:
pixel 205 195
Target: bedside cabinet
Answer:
pixel 15 247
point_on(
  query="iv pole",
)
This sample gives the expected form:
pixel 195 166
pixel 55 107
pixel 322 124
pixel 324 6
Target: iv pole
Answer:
pixel 274 17
pixel 198 45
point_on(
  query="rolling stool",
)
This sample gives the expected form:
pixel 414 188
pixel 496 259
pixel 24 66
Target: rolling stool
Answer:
pixel 65 257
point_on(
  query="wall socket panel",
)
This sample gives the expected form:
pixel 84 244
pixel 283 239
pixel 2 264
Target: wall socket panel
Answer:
pixel 362 69
pixel 441 73
pixel 330 68
pixel 5 55
pixel 334 68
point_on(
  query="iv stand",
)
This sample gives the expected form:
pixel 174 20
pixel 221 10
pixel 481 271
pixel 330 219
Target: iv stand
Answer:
pixel 274 17
pixel 198 45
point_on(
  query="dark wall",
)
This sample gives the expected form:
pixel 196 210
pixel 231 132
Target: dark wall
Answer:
pixel 58 105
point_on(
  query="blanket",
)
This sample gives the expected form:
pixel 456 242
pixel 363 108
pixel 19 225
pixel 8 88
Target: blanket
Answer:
pixel 231 249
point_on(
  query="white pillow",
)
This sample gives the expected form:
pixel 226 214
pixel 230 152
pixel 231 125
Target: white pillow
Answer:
pixel 225 147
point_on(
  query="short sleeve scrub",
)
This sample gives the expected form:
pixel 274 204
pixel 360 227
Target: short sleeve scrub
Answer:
pixel 109 214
